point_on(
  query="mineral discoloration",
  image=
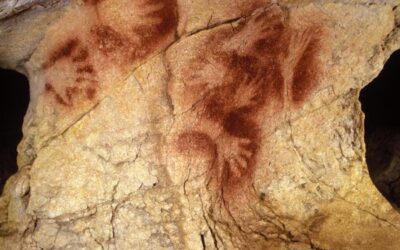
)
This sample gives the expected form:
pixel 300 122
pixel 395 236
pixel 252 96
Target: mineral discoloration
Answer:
pixel 240 79
pixel 76 67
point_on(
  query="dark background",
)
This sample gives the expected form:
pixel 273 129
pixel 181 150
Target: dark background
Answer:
pixel 14 99
pixel 381 98
pixel 381 104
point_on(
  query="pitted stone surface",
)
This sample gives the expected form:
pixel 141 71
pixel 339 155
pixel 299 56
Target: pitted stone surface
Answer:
pixel 174 124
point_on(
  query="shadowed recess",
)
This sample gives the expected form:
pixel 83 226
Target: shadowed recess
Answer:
pixel 14 99
pixel 380 103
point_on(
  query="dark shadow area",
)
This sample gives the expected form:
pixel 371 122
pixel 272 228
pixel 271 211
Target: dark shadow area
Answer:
pixel 14 100
pixel 381 104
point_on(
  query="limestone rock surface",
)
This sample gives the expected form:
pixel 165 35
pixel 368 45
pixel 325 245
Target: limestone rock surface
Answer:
pixel 177 124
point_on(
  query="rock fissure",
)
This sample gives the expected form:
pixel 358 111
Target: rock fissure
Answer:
pixel 201 125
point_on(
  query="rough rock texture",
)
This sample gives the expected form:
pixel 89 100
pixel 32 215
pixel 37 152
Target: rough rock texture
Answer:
pixel 177 124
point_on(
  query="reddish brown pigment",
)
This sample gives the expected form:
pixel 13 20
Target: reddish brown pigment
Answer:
pixel 230 113
pixel 117 48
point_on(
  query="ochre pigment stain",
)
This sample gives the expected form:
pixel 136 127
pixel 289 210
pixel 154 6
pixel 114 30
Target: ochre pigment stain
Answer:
pixel 85 76
pixel 231 110
pixel 65 50
pixel 75 68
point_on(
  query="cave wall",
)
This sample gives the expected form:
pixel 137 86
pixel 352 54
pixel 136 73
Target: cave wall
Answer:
pixel 185 125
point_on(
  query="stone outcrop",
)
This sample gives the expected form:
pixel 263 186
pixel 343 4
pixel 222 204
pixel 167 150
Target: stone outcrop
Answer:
pixel 174 124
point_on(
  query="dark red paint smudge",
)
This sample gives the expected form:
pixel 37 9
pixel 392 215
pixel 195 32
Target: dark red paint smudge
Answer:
pixel 85 69
pixel 118 48
pixel 197 142
pixel 81 56
pixel 64 51
pixel 90 93
pixel 108 39
pixel 253 83
pixel 305 73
